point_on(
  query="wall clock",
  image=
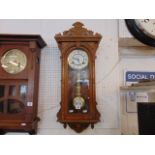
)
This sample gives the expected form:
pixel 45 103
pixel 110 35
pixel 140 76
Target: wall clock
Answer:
pixel 78 100
pixel 143 30
pixel 19 72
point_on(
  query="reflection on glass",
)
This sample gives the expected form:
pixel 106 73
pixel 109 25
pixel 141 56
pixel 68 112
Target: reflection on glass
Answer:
pixel 2 88
pixel 23 92
pixel 14 106
pixel 12 90
pixel 78 90
pixel 78 81
pixel 1 106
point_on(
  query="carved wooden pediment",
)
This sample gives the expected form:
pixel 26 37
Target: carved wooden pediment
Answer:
pixel 78 30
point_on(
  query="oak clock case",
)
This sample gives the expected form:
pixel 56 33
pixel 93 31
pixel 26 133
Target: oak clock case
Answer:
pixel 78 100
pixel 143 30
pixel 19 72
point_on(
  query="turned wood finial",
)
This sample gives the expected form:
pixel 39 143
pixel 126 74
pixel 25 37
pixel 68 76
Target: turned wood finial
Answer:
pixel 78 25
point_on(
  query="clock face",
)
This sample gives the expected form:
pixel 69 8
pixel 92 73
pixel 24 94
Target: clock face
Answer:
pixel 78 59
pixel 143 30
pixel 147 26
pixel 14 61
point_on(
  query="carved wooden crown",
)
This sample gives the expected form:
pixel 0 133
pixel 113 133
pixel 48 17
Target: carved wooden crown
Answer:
pixel 78 31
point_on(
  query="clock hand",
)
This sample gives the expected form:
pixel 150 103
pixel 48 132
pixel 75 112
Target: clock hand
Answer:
pixel 4 66
pixel 77 60
pixel 13 63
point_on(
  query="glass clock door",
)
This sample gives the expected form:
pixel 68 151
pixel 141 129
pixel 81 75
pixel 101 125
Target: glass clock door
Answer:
pixel 78 82
pixel 13 97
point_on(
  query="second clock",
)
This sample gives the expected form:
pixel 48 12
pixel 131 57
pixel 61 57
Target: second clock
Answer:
pixel 19 81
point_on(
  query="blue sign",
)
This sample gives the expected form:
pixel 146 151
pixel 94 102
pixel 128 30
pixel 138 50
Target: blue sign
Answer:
pixel 135 76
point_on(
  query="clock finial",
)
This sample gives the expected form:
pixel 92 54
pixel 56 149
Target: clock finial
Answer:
pixel 78 25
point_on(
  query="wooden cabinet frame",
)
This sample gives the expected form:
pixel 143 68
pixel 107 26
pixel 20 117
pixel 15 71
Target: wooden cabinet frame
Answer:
pixel 78 37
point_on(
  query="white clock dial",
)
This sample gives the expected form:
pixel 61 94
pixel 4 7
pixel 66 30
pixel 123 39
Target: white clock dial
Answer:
pixel 147 26
pixel 78 59
pixel 14 61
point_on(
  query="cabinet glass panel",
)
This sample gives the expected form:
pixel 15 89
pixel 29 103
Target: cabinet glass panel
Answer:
pixel 78 94
pixel 1 106
pixel 78 82
pixel 23 92
pixel 15 106
pixel 12 90
pixel 2 90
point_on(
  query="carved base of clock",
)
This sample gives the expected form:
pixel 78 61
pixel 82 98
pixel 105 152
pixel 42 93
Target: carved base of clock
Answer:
pixel 2 132
pixel 78 127
pixel 32 132
pixel 30 127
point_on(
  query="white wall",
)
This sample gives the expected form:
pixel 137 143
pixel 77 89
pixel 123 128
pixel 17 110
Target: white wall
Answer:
pixel 123 31
pixel 109 67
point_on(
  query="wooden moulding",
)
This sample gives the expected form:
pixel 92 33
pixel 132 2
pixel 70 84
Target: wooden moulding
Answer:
pixel 22 38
